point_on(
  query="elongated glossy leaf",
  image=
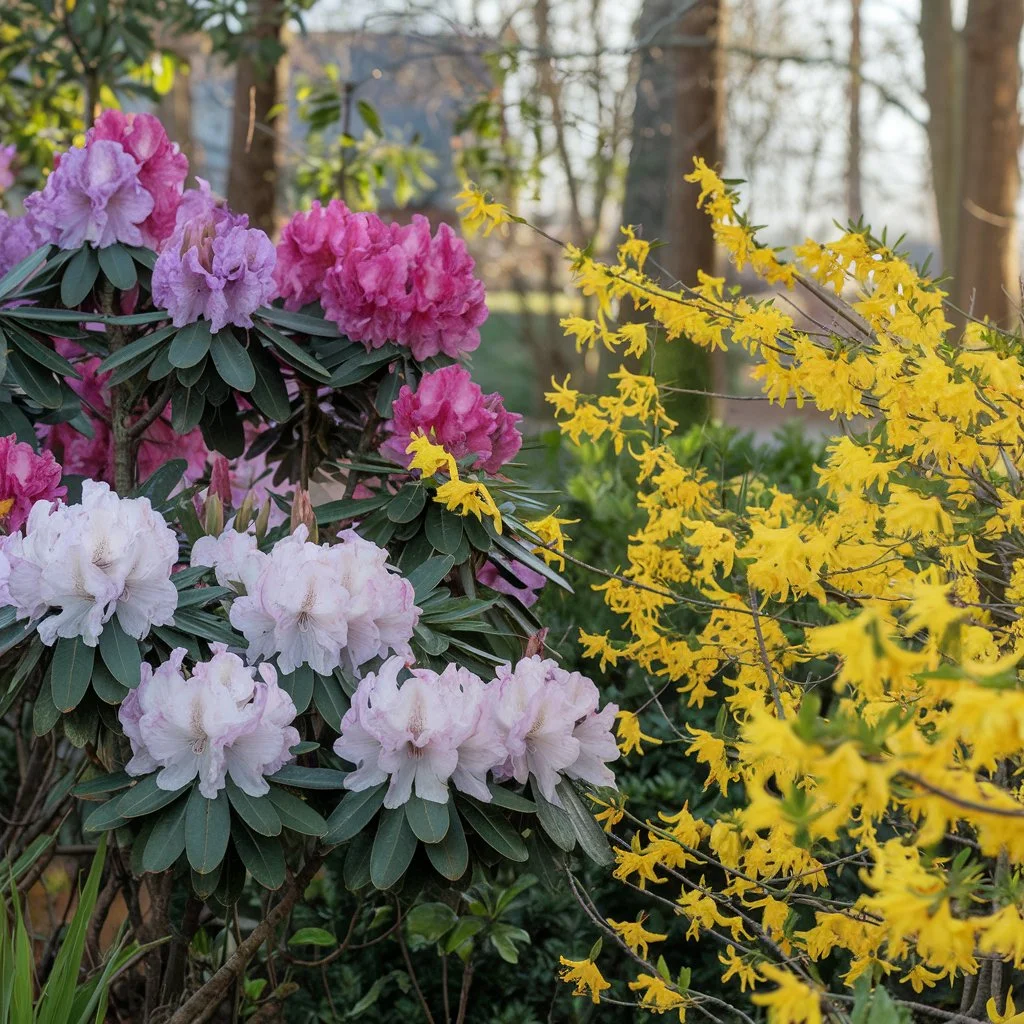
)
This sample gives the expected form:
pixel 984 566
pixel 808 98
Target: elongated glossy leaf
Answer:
pixel 348 508
pixel 407 504
pixel 492 828
pixel 187 410
pixel 23 270
pixel 520 553
pixel 450 857
pixel 145 797
pixel 308 778
pixel 293 354
pixel 70 672
pixel 511 801
pixel 135 349
pixel 118 266
pixel 232 362
pixel 158 486
pixel 41 354
pixel 100 786
pixel 261 855
pixel 301 323
pixel 120 653
pixel 296 814
pixel 393 849
pixel 190 345
pixel 353 814
pixel 443 529
pixel 105 817
pixel 428 574
pixel 427 819
pixel 299 686
pixel 555 822
pixel 38 383
pixel 166 842
pixel 330 700
pixel 593 841
pixel 207 827
pixel 257 812
pixel 79 276
pixel 269 393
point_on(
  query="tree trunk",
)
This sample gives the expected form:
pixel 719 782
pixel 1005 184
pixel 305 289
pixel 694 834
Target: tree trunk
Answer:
pixel 988 260
pixel 943 88
pixel 252 175
pixel 696 131
pixel 854 189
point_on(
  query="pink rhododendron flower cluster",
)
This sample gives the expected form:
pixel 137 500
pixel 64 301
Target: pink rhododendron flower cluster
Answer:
pixel 322 605
pixel 213 266
pixel 383 282
pixel 530 582
pixel 162 166
pixel 221 720
pixel 19 237
pixel 534 721
pixel 452 411
pixel 94 456
pixel 26 476
pixel 79 565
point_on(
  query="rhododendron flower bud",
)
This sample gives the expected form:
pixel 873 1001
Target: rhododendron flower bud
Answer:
pixel 26 476
pixel 162 166
pixel 303 514
pixel 453 412
pixel 78 565
pixel 93 195
pixel 420 733
pixel 214 268
pixel 551 726
pixel 222 720
pixel 326 605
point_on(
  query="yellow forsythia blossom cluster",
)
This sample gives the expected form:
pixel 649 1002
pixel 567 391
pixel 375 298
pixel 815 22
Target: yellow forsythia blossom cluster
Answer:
pixel 902 579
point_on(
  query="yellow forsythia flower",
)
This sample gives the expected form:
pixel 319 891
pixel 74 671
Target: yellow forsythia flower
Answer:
pixel 657 996
pixel 477 212
pixel 630 735
pixel 585 975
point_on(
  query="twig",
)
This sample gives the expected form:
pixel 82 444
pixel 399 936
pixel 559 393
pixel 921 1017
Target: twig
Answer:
pixel 412 978
pixel 764 656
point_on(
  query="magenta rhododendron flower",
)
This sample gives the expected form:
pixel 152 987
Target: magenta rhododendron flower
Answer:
pixel 19 237
pixel 26 476
pixel 219 721
pixel 93 195
pixel 383 282
pixel 305 253
pixel 215 268
pixel 162 166
pixel 322 605
pixel 7 155
pixel 79 565
pixel 94 456
pixel 452 411
pixel 551 726
pixel 420 734
pixel 528 588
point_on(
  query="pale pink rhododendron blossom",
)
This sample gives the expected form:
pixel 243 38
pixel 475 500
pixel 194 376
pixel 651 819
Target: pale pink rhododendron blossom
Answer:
pixel 79 565
pixel 93 456
pixel 162 166
pixel 93 195
pixel 26 476
pixel 383 282
pixel 215 268
pixel 225 719
pixel 322 605
pixel 19 237
pixel 233 556
pixel 7 155
pixel 551 726
pixel 452 411
pixel 421 734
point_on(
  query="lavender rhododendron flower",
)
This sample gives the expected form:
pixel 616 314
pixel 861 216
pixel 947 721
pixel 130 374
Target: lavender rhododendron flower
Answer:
pixel 79 565
pixel 383 282
pixel 215 268
pixel 453 412
pixel 19 237
pixel 551 726
pixel 420 734
pixel 162 166
pixel 221 720
pixel 93 195
pixel 317 604
pixel 26 476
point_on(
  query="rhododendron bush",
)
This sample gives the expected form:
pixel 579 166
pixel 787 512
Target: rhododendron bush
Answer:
pixel 236 683
pixel 858 854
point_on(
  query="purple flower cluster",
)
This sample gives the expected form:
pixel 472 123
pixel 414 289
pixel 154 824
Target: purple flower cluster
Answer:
pixel 383 282
pixel 19 237
pixel 535 721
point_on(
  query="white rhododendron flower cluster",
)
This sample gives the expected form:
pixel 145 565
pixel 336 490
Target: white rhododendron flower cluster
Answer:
pixel 534 721
pixel 322 605
pixel 76 566
pixel 221 720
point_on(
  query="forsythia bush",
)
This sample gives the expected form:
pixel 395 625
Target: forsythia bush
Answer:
pixel 863 643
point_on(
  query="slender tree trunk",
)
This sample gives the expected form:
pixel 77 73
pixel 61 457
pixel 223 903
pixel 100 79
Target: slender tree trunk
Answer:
pixel 252 176
pixel 175 107
pixel 854 186
pixel 988 259
pixel 943 86
pixel 696 131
